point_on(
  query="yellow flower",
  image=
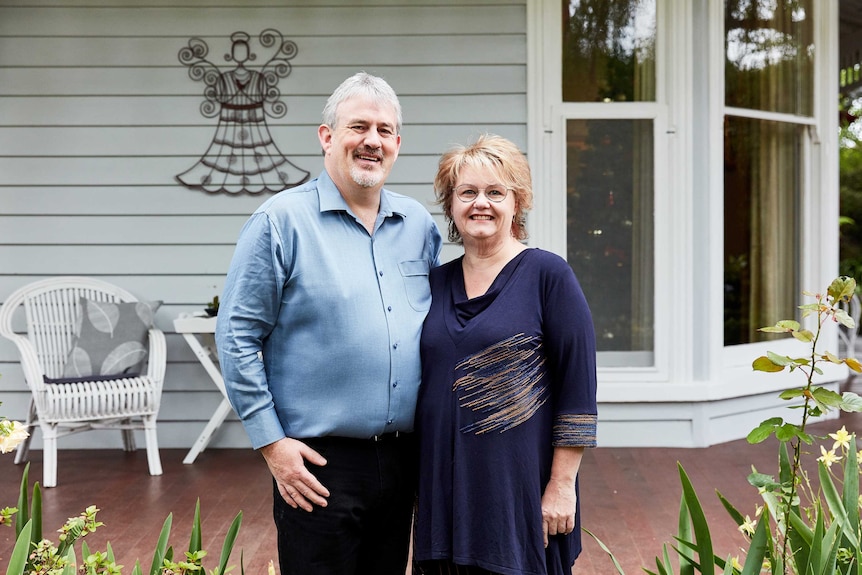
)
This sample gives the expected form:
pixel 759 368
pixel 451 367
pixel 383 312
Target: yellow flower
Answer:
pixel 271 568
pixel 11 434
pixel 747 526
pixel 736 564
pixel 828 457
pixel 841 437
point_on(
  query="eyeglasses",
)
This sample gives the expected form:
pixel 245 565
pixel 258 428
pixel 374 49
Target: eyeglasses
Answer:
pixel 468 193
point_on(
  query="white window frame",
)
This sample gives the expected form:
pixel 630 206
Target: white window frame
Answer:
pixel 819 218
pixel 546 149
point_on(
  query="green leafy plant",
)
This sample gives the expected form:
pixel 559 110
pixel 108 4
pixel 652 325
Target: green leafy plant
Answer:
pixel 820 536
pixel 34 555
pixel 212 307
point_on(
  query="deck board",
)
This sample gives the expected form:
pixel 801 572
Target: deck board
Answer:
pixel 630 499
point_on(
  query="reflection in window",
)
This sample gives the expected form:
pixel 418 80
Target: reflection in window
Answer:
pixel 610 230
pixel 762 182
pixel 769 47
pixel 609 50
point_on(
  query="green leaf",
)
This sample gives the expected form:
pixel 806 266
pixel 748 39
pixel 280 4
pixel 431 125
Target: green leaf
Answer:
pixel 667 567
pixel 69 569
pixel 786 432
pixel 805 438
pixel 698 520
pixel 161 546
pixel 757 549
pixel 18 559
pixel 195 538
pixel 606 550
pixel 841 288
pixel 826 396
pixel 23 516
pixel 801 538
pixel 805 336
pixel 686 558
pixel 850 402
pixel 844 319
pixel 783 325
pixel 831 357
pixel 763 363
pixel 734 513
pixel 762 481
pixel 833 499
pixel 229 540
pixel 851 497
pixel 779 359
pixel 792 393
pixel 764 430
pixel 36 513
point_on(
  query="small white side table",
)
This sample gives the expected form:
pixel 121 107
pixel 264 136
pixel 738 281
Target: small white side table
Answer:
pixel 198 333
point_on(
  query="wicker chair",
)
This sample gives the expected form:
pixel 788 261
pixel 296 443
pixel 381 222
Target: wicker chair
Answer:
pixel 50 312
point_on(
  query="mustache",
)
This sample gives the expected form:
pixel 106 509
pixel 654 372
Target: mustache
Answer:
pixel 368 151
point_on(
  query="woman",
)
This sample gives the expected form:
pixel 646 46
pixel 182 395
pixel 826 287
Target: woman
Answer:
pixel 507 403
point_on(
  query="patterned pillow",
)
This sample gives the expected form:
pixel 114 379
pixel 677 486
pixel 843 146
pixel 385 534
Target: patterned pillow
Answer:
pixel 111 341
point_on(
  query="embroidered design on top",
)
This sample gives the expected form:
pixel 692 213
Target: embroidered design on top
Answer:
pixel 502 384
pixel 575 430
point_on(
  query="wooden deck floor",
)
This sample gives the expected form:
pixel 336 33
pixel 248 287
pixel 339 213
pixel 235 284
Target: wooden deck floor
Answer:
pixel 630 499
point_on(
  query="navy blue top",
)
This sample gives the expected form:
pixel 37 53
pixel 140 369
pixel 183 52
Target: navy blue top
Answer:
pixel 506 376
pixel 319 323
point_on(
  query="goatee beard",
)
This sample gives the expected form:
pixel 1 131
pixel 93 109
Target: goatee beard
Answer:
pixel 365 179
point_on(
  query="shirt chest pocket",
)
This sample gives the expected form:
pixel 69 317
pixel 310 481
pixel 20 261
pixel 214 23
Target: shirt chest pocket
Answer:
pixel 415 276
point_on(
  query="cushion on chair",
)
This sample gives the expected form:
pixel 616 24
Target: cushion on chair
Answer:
pixel 111 340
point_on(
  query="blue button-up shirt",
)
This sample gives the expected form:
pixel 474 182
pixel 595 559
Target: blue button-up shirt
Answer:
pixel 319 323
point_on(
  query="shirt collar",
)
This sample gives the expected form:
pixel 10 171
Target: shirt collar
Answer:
pixel 331 199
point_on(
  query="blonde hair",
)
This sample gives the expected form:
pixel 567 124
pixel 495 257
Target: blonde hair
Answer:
pixel 502 157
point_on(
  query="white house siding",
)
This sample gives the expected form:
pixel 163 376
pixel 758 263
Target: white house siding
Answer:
pixel 97 116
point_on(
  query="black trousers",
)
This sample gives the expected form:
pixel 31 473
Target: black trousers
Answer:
pixel 365 528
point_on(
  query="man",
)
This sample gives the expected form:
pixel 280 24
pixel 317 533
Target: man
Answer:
pixel 318 339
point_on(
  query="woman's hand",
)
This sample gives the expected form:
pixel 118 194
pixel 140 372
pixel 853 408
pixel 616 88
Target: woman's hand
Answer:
pixel 559 501
pixel 558 508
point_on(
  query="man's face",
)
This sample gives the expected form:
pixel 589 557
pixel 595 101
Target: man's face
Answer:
pixel 362 147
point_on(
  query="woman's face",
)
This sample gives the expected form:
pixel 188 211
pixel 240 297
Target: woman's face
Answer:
pixel 482 218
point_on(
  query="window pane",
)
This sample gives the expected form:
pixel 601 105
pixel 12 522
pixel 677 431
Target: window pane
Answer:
pixel 610 232
pixel 762 182
pixel 769 48
pixel 609 50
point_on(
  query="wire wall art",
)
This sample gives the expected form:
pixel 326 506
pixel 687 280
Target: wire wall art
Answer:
pixel 242 157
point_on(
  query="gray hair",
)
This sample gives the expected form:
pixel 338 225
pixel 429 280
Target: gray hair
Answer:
pixel 361 84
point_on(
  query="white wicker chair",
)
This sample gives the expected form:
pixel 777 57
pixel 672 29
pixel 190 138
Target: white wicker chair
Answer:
pixel 50 309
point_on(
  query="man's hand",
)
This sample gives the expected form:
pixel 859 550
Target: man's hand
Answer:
pixel 286 460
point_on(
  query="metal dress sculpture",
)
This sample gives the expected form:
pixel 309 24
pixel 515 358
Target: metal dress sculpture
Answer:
pixel 242 156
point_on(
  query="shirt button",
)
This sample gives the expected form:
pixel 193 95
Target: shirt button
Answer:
pixel 395 384
pixel 380 272
pixel 389 422
pixel 394 346
pixel 389 308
